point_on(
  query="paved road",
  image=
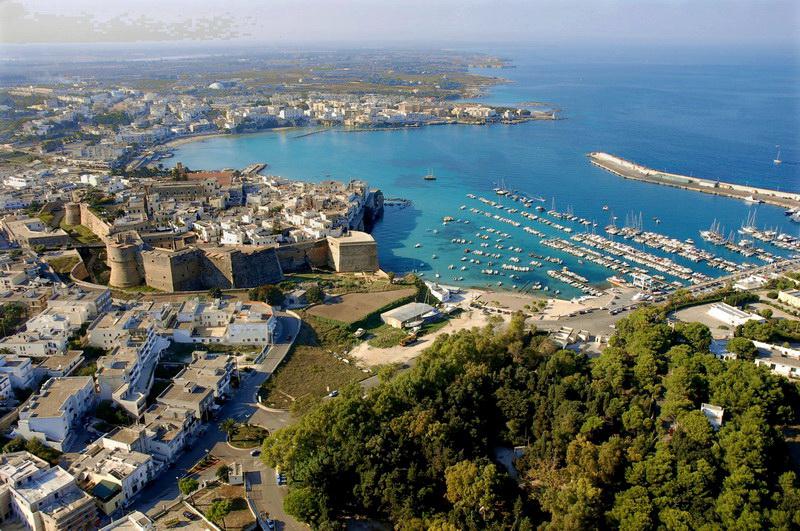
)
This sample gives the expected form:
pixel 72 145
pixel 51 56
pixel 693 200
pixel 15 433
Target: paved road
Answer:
pixel 267 495
pixel 780 266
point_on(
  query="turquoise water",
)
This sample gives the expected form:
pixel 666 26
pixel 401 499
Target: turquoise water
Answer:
pixel 715 121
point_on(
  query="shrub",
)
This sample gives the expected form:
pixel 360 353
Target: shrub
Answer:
pixel 222 473
pixel 314 294
pixel 218 510
pixel 187 485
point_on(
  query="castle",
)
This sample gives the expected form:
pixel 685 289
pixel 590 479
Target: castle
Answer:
pixel 178 261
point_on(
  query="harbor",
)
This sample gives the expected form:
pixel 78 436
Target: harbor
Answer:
pixel 520 245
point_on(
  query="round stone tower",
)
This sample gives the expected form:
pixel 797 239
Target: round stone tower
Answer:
pixel 72 213
pixel 122 259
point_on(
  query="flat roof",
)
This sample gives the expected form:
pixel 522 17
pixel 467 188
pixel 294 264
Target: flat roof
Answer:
pixel 354 236
pixel 51 399
pixel 407 311
pixel 42 484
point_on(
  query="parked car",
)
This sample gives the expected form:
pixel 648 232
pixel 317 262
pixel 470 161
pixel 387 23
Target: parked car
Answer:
pixel 255 452
pixel 190 515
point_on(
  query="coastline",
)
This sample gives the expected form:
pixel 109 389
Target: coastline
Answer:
pixel 178 142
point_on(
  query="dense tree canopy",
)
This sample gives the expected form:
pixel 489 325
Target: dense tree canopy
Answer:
pixel 615 441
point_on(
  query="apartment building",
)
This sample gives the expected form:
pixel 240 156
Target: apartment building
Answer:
pixel 41 497
pixel 51 415
pixel 112 473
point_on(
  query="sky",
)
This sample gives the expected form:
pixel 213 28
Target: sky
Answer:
pixel 770 23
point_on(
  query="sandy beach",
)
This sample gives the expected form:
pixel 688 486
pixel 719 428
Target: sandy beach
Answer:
pixel 177 142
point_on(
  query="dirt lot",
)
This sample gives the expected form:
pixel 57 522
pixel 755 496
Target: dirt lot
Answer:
pixel 700 314
pixel 353 307
pixel 239 518
pixel 371 356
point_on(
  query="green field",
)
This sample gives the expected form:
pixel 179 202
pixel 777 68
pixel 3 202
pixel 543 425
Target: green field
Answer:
pixel 310 371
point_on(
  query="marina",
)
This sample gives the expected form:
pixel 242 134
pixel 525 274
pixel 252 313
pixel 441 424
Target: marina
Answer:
pixel 629 254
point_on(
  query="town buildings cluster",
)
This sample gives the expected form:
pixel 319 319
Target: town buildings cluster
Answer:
pixel 111 127
pixel 113 464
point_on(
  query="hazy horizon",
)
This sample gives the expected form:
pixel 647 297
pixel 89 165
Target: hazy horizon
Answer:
pixel 763 24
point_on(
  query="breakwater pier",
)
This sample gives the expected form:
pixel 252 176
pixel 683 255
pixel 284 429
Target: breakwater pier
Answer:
pixel 631 170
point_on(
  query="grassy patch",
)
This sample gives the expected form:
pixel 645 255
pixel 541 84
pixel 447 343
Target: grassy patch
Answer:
pixel 386 336
pixel 247 436
pixel 63 264
pixel 353 307
pixel 342 283
pixel 86 370
pixel 239 517
pixel 311 371
pixel 46 218
pixel 80 233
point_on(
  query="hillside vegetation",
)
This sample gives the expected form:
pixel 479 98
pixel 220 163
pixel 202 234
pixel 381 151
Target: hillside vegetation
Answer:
pixel 617 441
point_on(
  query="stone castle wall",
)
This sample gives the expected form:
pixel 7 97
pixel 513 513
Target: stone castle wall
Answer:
pixel 191 268
pixel 72 213
pixel 354 252
pixel 93 222
pixel 303 256
pixel 173 271
pixel 255 268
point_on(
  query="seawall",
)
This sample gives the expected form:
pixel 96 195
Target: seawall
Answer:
pixel 631 170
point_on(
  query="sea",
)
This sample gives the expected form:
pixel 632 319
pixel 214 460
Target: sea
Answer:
pixel 709 115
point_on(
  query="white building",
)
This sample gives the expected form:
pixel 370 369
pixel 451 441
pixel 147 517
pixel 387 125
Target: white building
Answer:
pixel 78 305
pixel 730 315
pixel 126 374
pixel 51 414
pixel 112 473
pixel 791 297
pixel 19 370
pixel 714 414
pixel 751 282
pixel 37 344
pixel 134 521
pixel 6 391
pixel 213 370
pixel 41 497
pixel 780 360
pixel 166 432
pixel 225 322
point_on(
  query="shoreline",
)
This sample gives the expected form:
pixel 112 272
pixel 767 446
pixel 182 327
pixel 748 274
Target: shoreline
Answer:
pixel 178 142
pixel 637 172
pixel 169 145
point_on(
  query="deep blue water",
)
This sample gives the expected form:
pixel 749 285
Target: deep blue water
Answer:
pixel 715 121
